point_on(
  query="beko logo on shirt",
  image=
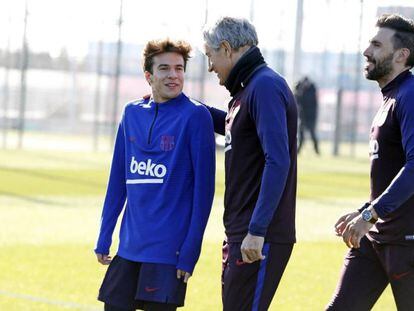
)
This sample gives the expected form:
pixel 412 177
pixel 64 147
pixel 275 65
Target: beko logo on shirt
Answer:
pixel 147 169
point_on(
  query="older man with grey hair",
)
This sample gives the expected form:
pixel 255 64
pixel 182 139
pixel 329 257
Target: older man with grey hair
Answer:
pixel 260 127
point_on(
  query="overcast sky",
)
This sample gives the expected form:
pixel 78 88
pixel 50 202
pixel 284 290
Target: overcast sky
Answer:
pixel 57 24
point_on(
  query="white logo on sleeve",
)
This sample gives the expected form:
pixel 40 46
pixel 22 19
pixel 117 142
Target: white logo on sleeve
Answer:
pixel 147 169
pixel 231 115
pixel 373 149
pixel 227 141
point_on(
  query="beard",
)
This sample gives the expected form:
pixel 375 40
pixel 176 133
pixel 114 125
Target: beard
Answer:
pixel 382 67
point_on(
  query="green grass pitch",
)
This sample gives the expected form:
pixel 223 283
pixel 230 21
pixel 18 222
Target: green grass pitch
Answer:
pixel 50 204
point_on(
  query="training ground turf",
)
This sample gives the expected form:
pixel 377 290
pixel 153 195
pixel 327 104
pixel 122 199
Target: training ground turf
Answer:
pixel 50 204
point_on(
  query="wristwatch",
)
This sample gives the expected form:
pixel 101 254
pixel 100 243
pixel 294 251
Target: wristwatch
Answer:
pixel 367 216
pixel 366 205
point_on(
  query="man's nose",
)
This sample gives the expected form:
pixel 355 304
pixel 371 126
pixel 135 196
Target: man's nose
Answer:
pixel 366 53
pixel 172 74
pixel 209 65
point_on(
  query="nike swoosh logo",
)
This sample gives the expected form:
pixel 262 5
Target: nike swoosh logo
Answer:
pixel 151 289
pixel 397 276
pixel 240 262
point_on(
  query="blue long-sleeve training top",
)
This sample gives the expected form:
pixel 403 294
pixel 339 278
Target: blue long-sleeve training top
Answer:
pixel 260 152
pixel 392 162
pixel 163 167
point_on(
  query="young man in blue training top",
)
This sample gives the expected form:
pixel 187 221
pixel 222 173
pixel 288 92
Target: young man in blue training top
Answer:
pixel 163 171
pixel 260 165
pixel 381 233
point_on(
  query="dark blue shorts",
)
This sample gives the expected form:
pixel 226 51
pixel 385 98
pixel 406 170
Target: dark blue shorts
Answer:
pixel 128 284
pixel 251 287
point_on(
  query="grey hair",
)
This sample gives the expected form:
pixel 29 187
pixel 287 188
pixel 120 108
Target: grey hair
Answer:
pixel 237 32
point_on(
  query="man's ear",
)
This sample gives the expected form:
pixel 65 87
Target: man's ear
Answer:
pixel 148 77
pixel 227 48
pixel 402 55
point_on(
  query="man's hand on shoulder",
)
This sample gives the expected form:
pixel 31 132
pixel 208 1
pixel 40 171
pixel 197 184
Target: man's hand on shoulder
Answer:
pixel 104 259
pixel 251 248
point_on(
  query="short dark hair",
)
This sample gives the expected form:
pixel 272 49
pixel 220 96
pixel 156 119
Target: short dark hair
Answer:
pixel 155 47
pixel 404 33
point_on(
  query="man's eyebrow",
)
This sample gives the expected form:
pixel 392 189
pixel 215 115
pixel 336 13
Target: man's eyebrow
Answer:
pixel 168 65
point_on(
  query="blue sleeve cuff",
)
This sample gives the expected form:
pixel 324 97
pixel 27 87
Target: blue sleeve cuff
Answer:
pixel 257 231
pixel 101 251
pixel 380 211
pixel 186 266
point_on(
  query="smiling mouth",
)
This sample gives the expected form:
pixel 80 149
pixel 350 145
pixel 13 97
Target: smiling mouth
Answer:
pixel 368 63
pixel 171 85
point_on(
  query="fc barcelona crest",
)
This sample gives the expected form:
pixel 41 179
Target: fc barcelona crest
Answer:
pixel 167 142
